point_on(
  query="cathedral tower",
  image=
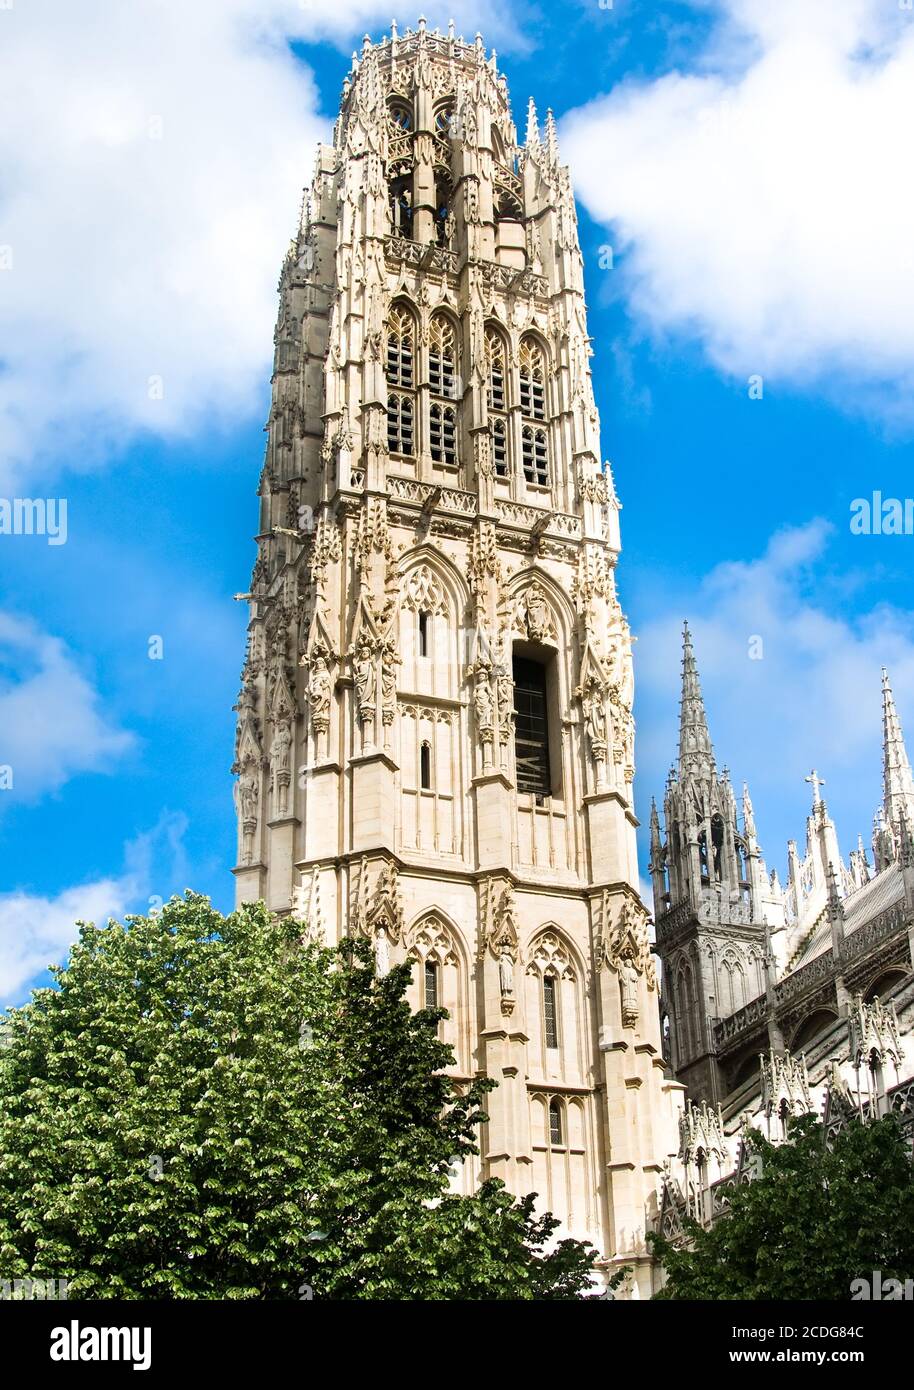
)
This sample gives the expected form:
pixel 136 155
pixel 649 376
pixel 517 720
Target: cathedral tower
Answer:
pixel 435 735
pixel 709 889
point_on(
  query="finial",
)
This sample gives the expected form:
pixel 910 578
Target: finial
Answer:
pixel 451 30
pixel 393 29
pixel 817 782
pixel 366 46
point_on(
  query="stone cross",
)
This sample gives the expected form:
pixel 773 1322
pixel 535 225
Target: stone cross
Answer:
pixel 817 782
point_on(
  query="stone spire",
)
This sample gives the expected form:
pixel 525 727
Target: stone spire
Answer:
pixel 533 125
pixel 898 783
pixel 696 756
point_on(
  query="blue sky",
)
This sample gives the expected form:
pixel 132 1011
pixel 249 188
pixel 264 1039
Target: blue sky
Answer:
pixel 747 164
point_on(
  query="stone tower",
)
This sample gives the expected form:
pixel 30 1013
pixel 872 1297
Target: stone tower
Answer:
pixel 435 735
pixel 709 890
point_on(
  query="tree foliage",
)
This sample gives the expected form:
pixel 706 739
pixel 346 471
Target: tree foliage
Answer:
pixel 205 1107
pixel 813 1221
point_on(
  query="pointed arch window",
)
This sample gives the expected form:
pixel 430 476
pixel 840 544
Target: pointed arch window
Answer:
pixel 532 380
pixel 550 1012
pixel 425 767
pixel 400 373
pixel 442 358
pixel 556 1125
pixel 401 337
pixel 423 633
pixel 500 448
pixel 430 984
pixel 495 369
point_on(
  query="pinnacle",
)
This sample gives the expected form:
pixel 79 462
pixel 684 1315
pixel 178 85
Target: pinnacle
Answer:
pixel 695 752
pixel 898 784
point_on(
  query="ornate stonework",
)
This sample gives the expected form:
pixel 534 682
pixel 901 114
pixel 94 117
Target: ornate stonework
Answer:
pixel 435 742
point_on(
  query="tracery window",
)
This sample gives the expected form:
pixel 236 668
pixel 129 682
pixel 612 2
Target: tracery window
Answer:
pixel 534 440
pixel 550 1012
pixel 400 373
pixel 496 395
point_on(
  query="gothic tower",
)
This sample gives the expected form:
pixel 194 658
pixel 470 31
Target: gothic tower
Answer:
pixel 708 883
pixel 435 734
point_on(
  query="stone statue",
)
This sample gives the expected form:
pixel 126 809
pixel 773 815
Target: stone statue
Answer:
pixel 365 681
pixel 506 972
pixel 319 691
pixel 537 611
pixel 382 951
pixel 482 700
pixel 628 984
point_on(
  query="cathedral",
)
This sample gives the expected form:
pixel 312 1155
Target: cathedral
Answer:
pixel 435 743
pixel 788 999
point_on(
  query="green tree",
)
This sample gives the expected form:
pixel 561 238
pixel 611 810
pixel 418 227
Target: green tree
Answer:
pixel 815 1219
pixel 205 1107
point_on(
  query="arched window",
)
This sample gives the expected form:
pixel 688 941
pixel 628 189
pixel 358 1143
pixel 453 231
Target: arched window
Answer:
pixel 550 1012
pixel 401 117
pixel 532 380
pixel 495 369
pixel 400 372
pixel 444 119
pixel 496 397
pixel 425 767
pixel 535 455
pixel 400 347
pixel 556 1127
pixel 423 633
pixel 442 355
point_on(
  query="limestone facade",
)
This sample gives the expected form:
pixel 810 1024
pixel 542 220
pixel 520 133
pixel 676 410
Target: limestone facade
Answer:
pixel 435 743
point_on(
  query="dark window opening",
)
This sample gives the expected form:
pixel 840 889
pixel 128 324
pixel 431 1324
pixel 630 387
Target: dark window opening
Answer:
pixel 531 728
pixel 400 425
pixel 423 634
pixel 550 1013
pixel 443 434
pixel 401 205
pixel 535 456
pixel 500 448
pixel 425 767
pixel 431 985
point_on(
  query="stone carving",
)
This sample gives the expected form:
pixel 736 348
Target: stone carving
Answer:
pixel 366 680
pixel 536 613
pixel 281 766
pixel 320 688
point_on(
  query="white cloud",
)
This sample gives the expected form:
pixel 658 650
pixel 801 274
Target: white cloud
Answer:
pixel 814 697
pixel 36 931
pixel 761 203
pixel 51 724
pixel 153 157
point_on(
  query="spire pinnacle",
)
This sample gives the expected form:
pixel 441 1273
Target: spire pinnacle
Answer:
pixel 898 785
pixel 533 125
pixel 552 138
pixel 695 752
